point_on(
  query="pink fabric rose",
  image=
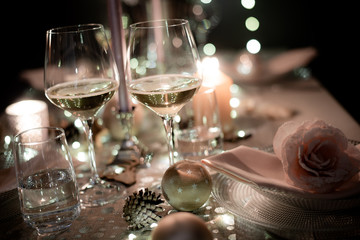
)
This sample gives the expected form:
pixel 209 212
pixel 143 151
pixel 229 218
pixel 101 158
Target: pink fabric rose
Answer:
pixel 316 157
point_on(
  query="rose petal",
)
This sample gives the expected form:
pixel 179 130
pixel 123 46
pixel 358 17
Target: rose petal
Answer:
pixel 354 153
pixel 282 133
pixel 320 130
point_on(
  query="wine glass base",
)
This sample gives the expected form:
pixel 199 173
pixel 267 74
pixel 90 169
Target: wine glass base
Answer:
pixel 100 193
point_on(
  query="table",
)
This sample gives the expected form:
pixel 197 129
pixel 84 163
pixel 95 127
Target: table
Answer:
pixel 291 99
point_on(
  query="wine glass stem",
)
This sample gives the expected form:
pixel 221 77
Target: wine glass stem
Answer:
pixel 87 124
pixel 169 128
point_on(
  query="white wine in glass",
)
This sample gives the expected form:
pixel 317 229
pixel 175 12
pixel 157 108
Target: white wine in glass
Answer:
pixel 164 69
pixel 83 99
pixel 81 77
pixel 164 94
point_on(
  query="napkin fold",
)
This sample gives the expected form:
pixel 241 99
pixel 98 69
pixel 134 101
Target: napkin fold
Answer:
pixel 262 170
pixel 248 165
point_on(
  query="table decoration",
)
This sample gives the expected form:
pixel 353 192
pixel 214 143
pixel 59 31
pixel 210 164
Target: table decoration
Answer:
pixel 260 69
pixel 119 49
pixel 198 130
pixel 264 172
pixel 124 114
pixel 308 97
pixel 186 185
pixel 122 168
pixel 316 156
pixel 181 225
pixel 82 84
pixel 141 209
pixel 257 108
pixel 27 114
pixel 47 186
pixel 214 78
pixel 113 121
pixel 287 221
pixel 164 71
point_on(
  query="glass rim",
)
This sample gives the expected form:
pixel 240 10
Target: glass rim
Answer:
pixel 75 28
pixel 164 23
pixel 59 135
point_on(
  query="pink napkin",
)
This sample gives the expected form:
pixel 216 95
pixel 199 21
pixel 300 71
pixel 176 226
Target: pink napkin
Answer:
pixel 248 165
pixel 260 169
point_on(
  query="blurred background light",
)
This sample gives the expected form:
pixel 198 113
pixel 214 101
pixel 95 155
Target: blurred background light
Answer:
pixel 248 4
pixel 78 123
pixel 125 21
pixel 209 49
pixel 197 10
pixel 245 64
pixel 75 145
pixel 234 102
pixel 253 46
pixel 7 140
pixel 67 113
pixel 252 24
pixel 141 70
pixel 134 63
pixel 177 42
pixel 82 156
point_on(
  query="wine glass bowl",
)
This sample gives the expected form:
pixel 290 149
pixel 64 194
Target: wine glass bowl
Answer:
pixel 173 91
pixel 81 77
pixel 163 69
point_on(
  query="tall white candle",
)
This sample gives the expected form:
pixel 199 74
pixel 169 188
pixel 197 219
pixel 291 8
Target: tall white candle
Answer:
pixel 214 78
pixel 119 50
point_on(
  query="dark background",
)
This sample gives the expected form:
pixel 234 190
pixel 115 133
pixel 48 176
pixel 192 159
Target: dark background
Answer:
pixel 331 27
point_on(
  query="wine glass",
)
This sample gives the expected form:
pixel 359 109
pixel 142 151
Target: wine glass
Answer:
pixel 81 77
pixel 163 69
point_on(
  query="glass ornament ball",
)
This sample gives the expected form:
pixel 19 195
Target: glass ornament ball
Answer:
pixel 186 185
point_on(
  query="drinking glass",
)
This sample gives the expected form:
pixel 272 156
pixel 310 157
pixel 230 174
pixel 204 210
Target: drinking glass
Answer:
pixel 47 187
pixel 198 131
pixel 81 77
pixel 164 69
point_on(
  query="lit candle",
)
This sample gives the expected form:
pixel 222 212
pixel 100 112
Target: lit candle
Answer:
pixel 214 78
pixel 203 96
pixel 118 47
pixel 27 114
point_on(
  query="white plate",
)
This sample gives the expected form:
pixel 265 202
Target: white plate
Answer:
pixel 242 200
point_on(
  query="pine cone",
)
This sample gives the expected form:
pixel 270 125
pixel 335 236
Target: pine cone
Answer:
pixel 140 209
